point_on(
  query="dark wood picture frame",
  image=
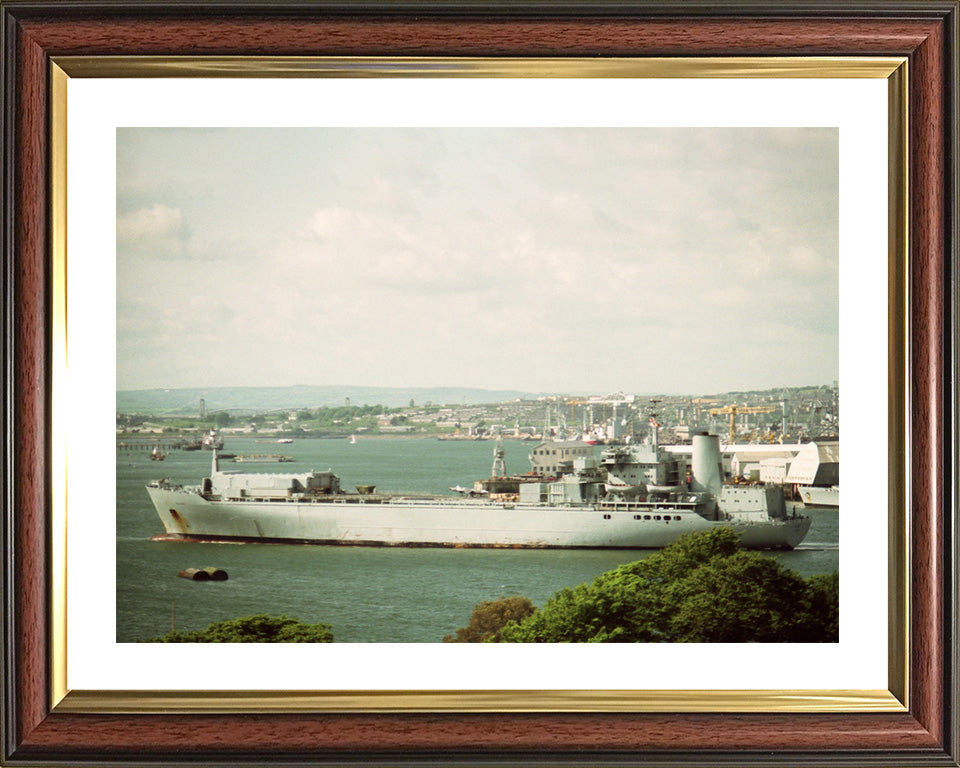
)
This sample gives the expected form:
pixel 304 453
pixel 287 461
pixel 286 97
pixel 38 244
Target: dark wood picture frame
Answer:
pixel 33 33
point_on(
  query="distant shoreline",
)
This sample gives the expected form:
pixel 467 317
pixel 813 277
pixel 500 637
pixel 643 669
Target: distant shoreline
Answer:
pixel 268 440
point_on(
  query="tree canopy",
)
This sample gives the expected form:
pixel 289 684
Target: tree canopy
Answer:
pixel 253 629
pixel 701 589
pixel 490 617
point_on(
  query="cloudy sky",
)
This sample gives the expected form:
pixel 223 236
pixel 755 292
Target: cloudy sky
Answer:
pixel 575 260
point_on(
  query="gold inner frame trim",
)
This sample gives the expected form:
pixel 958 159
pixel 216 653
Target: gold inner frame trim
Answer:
pixel 898 415
pixel 893 69
pixel 231 702
pixel 427 66
pixel 58 366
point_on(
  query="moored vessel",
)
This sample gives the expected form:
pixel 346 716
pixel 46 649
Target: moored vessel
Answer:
pixel 577 510
pixel 819 496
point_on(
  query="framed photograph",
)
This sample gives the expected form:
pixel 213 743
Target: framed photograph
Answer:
pixel 472 159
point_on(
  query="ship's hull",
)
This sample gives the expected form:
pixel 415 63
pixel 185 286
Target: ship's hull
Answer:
pixel 387 521
pixel 819 496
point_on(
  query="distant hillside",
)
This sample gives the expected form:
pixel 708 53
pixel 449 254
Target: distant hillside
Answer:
pixel 260 399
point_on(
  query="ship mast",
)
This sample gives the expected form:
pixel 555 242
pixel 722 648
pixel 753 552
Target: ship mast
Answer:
pixel 499 468
pixel 654 426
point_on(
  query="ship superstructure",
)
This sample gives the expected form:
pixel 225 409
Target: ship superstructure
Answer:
pixel 575 510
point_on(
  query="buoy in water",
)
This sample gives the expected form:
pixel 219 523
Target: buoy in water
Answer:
pixel 203 574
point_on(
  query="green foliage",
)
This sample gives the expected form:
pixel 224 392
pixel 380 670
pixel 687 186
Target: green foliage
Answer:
pixel 490 617
pixel 701 589
pixel 737 599
pixel 344 414
pixel 253 629
pixel 823 595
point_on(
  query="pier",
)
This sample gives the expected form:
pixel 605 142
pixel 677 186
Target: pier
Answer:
pixel 147 444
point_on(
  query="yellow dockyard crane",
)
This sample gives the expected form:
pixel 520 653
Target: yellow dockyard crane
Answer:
pixel 733 410
pixel 701 401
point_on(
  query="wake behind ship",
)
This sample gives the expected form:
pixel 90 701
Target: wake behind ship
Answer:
pixel 581 509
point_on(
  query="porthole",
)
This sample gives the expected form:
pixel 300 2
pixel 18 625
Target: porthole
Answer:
pixel 606 517
pixel 656 517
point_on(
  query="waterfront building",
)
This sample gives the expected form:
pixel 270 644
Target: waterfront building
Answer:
pixel 747 464
pixel 775 470
pixel 546 457
pixel 816 464
pixel 742 450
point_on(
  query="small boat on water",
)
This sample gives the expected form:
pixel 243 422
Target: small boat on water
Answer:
pixel 157 455
pixel 212 441
pixel 263 458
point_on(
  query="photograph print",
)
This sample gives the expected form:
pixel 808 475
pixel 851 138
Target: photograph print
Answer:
pixel 423 385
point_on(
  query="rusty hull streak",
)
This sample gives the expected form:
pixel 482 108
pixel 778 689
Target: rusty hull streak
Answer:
pixel 182 524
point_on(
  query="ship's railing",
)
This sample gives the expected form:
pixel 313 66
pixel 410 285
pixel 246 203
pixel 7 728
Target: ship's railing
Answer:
pixel 167 486
pixel 356 499
pixel 640 506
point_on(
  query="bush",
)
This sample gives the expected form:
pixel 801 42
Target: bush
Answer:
pixel 490 617
pixel 701 589
pixel 253 629
pixel 823 596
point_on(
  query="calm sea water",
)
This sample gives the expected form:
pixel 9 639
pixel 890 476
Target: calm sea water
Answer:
pixel 367 594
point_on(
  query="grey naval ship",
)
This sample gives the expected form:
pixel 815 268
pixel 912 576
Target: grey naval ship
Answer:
pixel 634 497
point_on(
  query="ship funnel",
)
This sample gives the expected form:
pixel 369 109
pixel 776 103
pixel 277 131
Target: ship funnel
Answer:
pixel 707 465
pixel 215 468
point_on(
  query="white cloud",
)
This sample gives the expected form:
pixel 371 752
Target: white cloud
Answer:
pixel 157 232
pixel 333 224
pixel 625 258
pixel 158 221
